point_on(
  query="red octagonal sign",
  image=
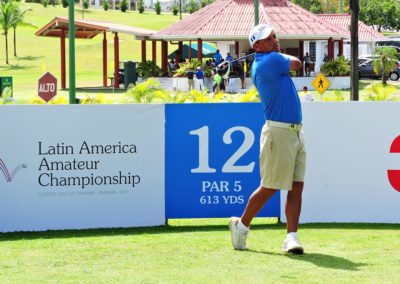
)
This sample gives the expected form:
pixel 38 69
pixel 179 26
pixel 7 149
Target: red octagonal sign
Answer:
pixel 47 87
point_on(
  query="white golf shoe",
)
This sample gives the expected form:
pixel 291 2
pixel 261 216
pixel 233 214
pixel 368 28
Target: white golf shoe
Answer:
pixel 238 237
pixel 292 244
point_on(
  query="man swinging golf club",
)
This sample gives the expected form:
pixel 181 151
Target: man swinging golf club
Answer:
pixel 282 152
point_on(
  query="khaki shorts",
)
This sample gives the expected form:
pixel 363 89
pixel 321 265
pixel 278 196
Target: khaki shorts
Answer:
pixel 282 155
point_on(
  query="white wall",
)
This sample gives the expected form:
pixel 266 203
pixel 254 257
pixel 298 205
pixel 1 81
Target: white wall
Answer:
pixel 348 155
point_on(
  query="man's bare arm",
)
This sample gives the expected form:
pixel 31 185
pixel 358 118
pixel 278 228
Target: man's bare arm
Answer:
pixel 295 63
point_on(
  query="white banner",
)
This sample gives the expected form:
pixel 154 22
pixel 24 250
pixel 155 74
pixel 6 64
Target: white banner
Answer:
pixel 348 158
pixel 81 166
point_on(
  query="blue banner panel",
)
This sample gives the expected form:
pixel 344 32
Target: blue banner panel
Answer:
pixel 212 160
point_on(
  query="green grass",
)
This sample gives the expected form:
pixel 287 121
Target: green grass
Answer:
pixel 199 251
pixel 32 51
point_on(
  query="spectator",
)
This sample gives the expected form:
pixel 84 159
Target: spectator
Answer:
pixel 200 79
pixel 326 58
pixel 217 57
pixel 242 75
pixel 217 79
pixel 229 57
pixel 172 66
pixel 306 95
pixel 190 75
pixel 307 62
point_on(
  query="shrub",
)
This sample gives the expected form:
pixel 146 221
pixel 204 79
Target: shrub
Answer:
pixel 106 5
pixel 141 7
pixel 98 99
pixel 144 92
pixel 45 2
pixel 123 6
pixel 175 10
pixel 148 69
pixel 157 7
pixel 338 67
pixel 6 97
pixel 64 3
pixel 86 4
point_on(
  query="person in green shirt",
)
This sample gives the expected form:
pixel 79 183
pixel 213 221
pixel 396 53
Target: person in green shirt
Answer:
pixel 217 79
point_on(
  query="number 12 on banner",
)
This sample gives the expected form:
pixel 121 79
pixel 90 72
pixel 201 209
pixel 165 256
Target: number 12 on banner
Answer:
pixel 229 166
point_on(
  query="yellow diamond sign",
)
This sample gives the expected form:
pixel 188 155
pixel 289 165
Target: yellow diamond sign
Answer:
pixel 321 83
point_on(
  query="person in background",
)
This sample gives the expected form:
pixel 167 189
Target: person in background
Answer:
pixel 326 58
pixel 307 62
pixel 242 74
pixel 172 65
pixel 190 75
pixel 200 79
pixel 229 57
pixel 217 79
pixel 306 96
pixel 217 57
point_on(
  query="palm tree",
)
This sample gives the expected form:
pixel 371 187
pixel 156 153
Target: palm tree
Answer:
pixel 6 20
pixel 19 15
pixel 385 59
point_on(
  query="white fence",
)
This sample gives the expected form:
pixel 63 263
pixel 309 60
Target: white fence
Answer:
pixel 181 83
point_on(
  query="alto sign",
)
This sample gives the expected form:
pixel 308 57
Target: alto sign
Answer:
pixel 47 87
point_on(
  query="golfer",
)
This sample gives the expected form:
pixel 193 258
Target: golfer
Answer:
pixel 282 152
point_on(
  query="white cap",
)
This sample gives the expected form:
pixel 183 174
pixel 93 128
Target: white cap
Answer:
pixel 259 32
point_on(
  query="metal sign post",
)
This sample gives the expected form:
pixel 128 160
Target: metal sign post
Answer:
pixel 71 35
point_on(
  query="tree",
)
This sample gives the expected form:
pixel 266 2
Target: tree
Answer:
pixel 385 59
pixel 6 20
pixel 106 5
pixel 86 4
pixel 316 8
pixel 19 14
pixel 123 6
pixel 380 13
pixel 175 10
pixel 322 6
pixel 141 6
pixel 193 6
pixel 157 7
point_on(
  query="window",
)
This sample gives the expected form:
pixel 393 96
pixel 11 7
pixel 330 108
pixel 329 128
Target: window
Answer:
pixel 313 52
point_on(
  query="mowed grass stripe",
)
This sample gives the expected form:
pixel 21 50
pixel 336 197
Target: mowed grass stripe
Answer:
pixel 199 251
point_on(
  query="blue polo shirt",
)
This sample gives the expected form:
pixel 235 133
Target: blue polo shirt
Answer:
pixel 217 57
pixel 199 74
pixel 270 74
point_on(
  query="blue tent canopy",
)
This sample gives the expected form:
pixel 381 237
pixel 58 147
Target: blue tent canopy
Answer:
pixel 208 51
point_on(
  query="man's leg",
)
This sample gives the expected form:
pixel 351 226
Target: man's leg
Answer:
pixel 240 227
pixel 256 202
pixel 293 206
pixel 292 210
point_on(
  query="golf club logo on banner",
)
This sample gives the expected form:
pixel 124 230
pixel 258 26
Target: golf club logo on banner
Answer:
pixel 7 175
pixel 394 175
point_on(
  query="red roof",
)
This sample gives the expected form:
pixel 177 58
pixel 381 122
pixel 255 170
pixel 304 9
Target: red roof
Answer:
pixel 343 22
pixel 233 19
pixel 88 28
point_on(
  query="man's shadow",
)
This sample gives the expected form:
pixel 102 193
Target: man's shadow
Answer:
pixel 318 259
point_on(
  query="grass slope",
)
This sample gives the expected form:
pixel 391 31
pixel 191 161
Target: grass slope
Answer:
pixel 199 251
pixel 32 51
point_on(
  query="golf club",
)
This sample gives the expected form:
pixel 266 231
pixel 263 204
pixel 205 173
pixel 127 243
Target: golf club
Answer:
pixel 224 68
